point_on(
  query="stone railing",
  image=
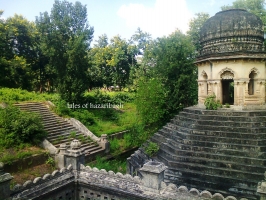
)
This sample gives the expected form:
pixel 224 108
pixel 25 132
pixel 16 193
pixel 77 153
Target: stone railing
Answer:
pixel 102 141
pixel 77 181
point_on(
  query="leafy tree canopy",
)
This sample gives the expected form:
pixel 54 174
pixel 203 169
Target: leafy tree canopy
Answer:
pixel 66 37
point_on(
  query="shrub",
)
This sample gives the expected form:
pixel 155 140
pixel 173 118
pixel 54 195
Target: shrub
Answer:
pixel 227 105
pixel 122 97
pixel 151 149
pixel 114 146
pixel 211 103
pixel 18 127
pixel 62 109
pixel 84 116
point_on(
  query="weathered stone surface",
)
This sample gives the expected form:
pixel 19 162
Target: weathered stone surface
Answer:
pixel 228 158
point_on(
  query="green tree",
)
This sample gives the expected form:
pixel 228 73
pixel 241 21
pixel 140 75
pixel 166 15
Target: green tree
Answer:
pixel 111 64
pixel 102 41
pixel 19 55
pixel 150 100
pixel 121 61
pixel 142 39
pixel 66 37
pixel 170 60
pixel 100 73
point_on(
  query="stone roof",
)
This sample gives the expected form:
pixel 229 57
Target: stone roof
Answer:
pixel 232 31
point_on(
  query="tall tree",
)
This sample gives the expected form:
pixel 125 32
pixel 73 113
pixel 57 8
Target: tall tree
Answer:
pixel 66 37
pixel 111 64
pixel 142 39
pixel 102 41
pixel 170 61
pixel 18 55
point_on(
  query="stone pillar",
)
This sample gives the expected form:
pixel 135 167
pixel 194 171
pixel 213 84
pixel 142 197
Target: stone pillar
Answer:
pixel 75 155
pixel 5 179
pixel 104 143
pixel 60 157
pixel 152 175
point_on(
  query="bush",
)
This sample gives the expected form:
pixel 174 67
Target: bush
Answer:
pixel 114 145
pixel 17 127
pixel 211 103
pixel 152 149
pixel 122 97
pixel 61 108
pixel 84 116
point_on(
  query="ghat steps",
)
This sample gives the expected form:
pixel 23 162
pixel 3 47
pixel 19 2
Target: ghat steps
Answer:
pixel 221 151
pixel 60 131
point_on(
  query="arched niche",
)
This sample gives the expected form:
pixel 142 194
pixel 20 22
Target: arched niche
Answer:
pixel 251 84
pixel 205 84
pixel 227 82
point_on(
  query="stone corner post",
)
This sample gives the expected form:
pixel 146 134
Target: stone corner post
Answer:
pixel 74 155
pixel 152 175
pixel 104 143
pixel 5 179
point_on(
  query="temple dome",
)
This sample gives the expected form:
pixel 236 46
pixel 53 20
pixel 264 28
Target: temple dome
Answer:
pixel 231 31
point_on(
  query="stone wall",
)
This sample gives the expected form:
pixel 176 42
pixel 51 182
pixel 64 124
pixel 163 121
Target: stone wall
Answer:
pixel 83 182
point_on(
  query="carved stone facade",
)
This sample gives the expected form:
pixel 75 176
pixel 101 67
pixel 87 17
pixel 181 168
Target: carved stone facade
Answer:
pixel 231 62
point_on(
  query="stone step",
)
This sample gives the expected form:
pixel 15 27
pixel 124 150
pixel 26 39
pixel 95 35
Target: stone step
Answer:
pixel 184 121
pixel 230 165
pixel 197 170
pixel 225 112
pixel 185 133
pixel 208 155
pixel 221 117
pixel 53 123
pixel 63 134
pixel 190 127
pixel 60 128
pixel 204 182
pixel 180 137
pixel 184 143
pixel 215 150
pixel 218 127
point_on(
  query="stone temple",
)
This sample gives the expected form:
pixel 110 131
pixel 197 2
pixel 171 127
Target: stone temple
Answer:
pixel 220 150
pixel 231 63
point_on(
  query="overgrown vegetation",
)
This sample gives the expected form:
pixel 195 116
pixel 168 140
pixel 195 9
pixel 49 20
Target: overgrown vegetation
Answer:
pixel 117 165
pixel 151 149
pixel 8 155
pixel 211 103
pixel 19 127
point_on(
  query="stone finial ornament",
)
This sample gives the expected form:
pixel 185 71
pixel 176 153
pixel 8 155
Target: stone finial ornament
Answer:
pixel 75 144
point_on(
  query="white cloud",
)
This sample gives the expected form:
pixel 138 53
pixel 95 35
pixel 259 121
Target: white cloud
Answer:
pixel 212 2
pixel 164 17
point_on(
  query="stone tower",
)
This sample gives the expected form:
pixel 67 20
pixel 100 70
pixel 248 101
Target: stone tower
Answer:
pixel 231 62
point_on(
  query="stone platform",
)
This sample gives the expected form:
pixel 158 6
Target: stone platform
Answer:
pixel 222 151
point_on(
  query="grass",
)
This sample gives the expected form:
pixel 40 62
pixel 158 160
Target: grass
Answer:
pixel 126 117
pixel 21 176
pixel 7 156
pixel 117 165
pixel 13 95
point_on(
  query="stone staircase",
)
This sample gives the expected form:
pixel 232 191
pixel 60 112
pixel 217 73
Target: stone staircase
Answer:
pixel 61 131
pixel 220 151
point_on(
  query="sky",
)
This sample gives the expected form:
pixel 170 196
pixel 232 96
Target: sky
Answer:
pixel 123 17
